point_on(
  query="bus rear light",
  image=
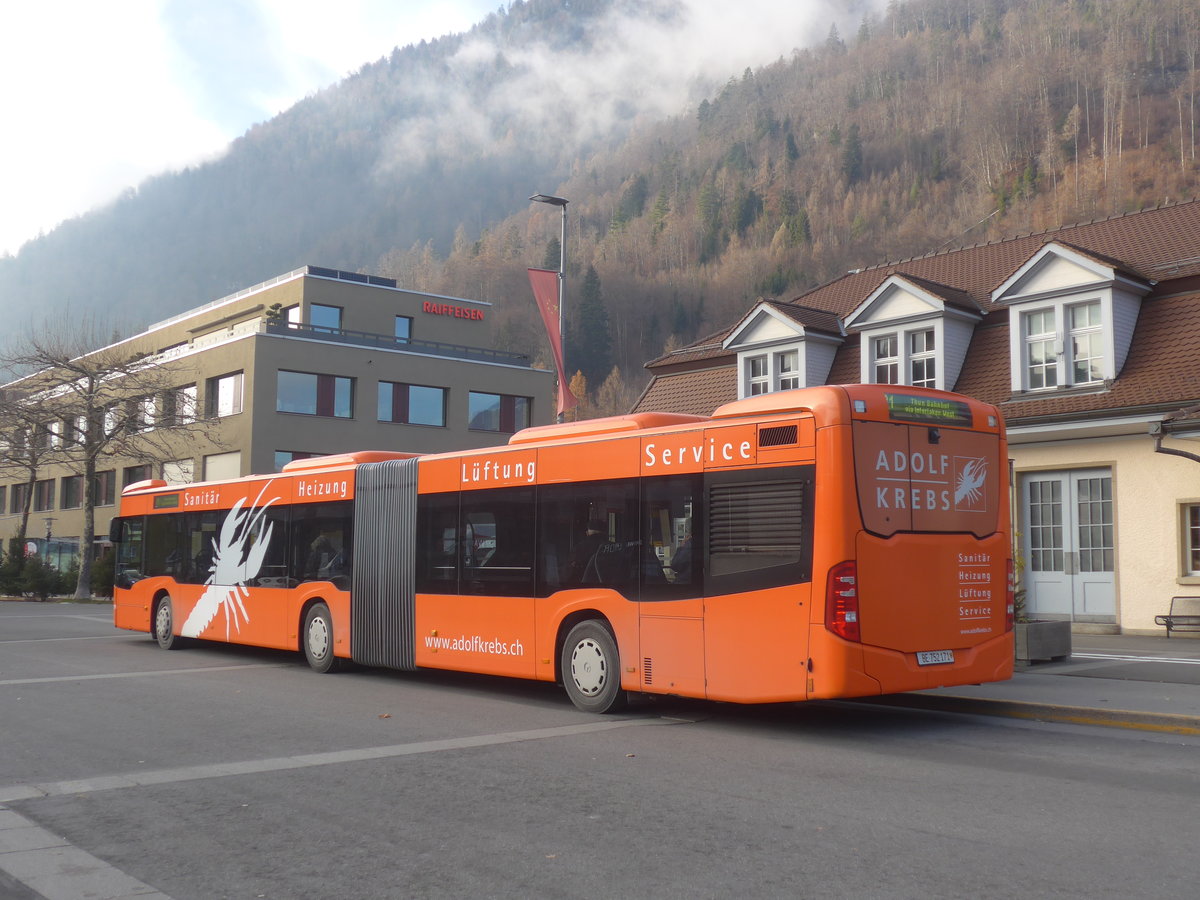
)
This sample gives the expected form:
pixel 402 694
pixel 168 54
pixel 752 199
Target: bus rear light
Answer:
pixel 841 601
pixel 1010 597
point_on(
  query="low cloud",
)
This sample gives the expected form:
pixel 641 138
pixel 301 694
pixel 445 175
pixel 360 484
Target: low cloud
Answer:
pixel 640 61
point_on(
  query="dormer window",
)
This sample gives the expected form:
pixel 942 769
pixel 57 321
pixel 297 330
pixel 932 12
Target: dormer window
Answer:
pixel 782 346
pixel 914 332
pixel 1072 316
pixel 772 372
pixel 912 354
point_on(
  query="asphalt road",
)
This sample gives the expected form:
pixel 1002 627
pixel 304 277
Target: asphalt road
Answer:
pixel 219 772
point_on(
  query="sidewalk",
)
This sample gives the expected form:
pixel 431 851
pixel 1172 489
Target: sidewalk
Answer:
pixel 1124 681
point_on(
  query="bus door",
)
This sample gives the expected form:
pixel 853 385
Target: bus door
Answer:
pixel 671 612
pixel 758 582
pixel 478 614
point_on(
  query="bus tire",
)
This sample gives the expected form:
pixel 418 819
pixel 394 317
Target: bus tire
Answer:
pixel 318 638
pixel 591 668
pixel 164 624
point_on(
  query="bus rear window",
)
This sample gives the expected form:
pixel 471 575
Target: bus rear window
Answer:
pixel 927 478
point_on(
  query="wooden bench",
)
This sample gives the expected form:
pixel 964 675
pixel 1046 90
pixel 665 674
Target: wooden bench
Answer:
pixel 1184 614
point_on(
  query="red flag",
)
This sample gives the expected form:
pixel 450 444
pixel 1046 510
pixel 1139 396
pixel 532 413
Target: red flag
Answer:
pixel 545 292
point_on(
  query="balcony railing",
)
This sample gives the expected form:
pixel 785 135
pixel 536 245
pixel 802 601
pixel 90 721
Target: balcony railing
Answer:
pixel 404 345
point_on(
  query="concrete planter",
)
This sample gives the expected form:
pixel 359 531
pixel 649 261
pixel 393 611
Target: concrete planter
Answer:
pixel 1042 640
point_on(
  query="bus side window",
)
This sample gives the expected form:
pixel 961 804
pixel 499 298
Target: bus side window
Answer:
pixel 588 536
pixel 671 523
pixel 164 545
pixel 199 550
pixel 497 542
pixel 273 571
pixel 437 543
pixel 321 544
pixel 129 555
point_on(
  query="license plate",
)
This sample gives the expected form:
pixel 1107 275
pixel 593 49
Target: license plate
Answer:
pixel 935 657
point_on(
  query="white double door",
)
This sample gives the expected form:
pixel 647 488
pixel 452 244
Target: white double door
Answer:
pixel 1068 544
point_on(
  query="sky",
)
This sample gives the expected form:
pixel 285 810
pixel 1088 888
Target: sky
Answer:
pixel 98 96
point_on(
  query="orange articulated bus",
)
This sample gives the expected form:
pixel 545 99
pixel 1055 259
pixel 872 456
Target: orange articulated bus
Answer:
pixel 815 543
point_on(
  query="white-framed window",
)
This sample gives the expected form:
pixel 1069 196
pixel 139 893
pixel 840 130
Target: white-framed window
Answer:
pixel 1041 355
pixel 922 358
pixel 905 356
pixel 1191 540
pixel 787 364
pixel 885 359
pixel 766 369
pixel 758 377
pixel 1049 361
pixel 1087 343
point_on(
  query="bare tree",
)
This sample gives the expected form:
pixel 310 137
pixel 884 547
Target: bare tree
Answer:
pixel 26 437
pixel 114 401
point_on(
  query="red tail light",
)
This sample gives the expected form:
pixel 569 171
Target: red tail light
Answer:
pixel 841 601
pixel 1010 598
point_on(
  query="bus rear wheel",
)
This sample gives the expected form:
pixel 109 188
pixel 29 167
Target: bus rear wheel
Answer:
pixel 591 668
pixel 318 638
pixel 164 625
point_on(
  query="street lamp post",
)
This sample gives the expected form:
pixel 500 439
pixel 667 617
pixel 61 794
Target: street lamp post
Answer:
pixel 49 533
pixel 562 274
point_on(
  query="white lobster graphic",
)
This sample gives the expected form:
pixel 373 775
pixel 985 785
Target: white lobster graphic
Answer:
pixel 235 561
pixel 970 482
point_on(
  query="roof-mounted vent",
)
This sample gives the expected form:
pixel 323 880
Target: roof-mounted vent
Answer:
pixel 777 435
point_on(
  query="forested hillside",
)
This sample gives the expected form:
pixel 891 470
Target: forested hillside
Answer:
pixel 924 125
pixel 939 123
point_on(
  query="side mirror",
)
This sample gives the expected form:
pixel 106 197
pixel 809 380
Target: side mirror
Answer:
pixel 116 530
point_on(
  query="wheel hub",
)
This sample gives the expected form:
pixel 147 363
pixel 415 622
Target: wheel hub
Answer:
pixel 589 669
pixel 318 638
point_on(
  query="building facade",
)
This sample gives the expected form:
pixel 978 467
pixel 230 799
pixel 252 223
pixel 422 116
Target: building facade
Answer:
pixel 1087 338
pixel 312 362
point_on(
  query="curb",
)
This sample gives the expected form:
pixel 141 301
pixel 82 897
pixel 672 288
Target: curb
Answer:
pixel 1166 723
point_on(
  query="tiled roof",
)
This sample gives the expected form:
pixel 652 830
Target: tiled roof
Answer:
pixel 1163 367
pixel 696 393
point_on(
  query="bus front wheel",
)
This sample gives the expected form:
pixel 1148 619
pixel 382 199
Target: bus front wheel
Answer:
pixel 318 638
pixel 164 625
pixel 591 668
